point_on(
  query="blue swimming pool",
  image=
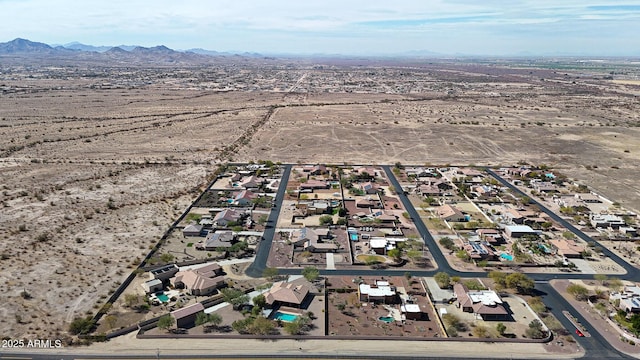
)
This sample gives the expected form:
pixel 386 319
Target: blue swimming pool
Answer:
pixel 507 257
pixel 387 319
pixel 286 317
pixel 162 297
pixel 353 237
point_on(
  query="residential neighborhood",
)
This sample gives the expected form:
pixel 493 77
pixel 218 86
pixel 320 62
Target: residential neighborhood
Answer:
pixel 320 218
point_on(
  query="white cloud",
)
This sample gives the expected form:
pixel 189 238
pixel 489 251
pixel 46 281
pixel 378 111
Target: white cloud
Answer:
pixel 331 24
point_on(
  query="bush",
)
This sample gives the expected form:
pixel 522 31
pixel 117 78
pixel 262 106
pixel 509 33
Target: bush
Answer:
pixel 81 326
pixel 578 291
pixel 443 280
pixel 447 243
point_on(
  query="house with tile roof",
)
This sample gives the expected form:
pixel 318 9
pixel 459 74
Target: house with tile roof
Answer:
pixel 285 293
pixel 484 304
pixel 201 281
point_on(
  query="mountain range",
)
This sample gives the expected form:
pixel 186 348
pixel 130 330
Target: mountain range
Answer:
pixel 123 53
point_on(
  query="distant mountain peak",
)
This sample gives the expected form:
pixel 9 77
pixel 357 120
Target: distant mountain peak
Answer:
pixel 20 45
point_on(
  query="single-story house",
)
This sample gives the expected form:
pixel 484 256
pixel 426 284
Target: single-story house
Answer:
pixel 379 292
pixel 588 198
pixel 479 250
pixel 412 312
pixel 218 239
pixel 186 316
pixel 544 186
pixel 484 191
pixel 314 207
pixel 379 245
pixel 244 198
pixel 450 213
pixel 484 304
pixel 192 230
pixel 201 281
pixel 251 182
pixel 606 221
pixel 517 231
pixel 367 203
pixel 567 248
pixel 492 236
pixel 368 187
pixel 153 285
pixel 314 184
pixel 428 190
pixel 164 272
pixel 284 293
pixel 226 216
pixel 366 170
pixel 313 240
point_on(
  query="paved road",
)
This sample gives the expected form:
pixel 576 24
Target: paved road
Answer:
pixel 262 253
pixel 632 272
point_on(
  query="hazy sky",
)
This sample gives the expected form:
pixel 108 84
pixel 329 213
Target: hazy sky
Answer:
pixel 485 27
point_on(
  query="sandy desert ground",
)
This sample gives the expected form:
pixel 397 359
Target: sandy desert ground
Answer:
pixel 92 174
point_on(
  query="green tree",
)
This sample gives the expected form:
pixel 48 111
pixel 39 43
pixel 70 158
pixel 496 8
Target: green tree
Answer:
pixel 261 326
pixel 535 330
pixel 396 254
pixel 202 318
pixel 166 322
pixel 414 255
pixel 521 282
pixel 537 305
pixel 81 326
pixel 311 273
pixel 447 243
pixel 501 328
pixel 259 301
pixel 578 291
pixel 326 220
pixel 234 297
pixel 242 325
pixel 443 280
pixel 499 278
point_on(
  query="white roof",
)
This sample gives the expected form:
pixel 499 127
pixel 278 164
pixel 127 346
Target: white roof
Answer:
pixel 376 291
pixel 377 243
pixel 519 229
pixel 411 308
pixel 487 297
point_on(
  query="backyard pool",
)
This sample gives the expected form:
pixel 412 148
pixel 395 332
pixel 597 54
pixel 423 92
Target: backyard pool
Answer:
pixel 506 257
pixel 286 317
pixel 162 297
pixel 387 319
pixel 353 237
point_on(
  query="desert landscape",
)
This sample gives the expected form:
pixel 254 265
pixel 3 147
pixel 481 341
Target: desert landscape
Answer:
pixel 97 160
